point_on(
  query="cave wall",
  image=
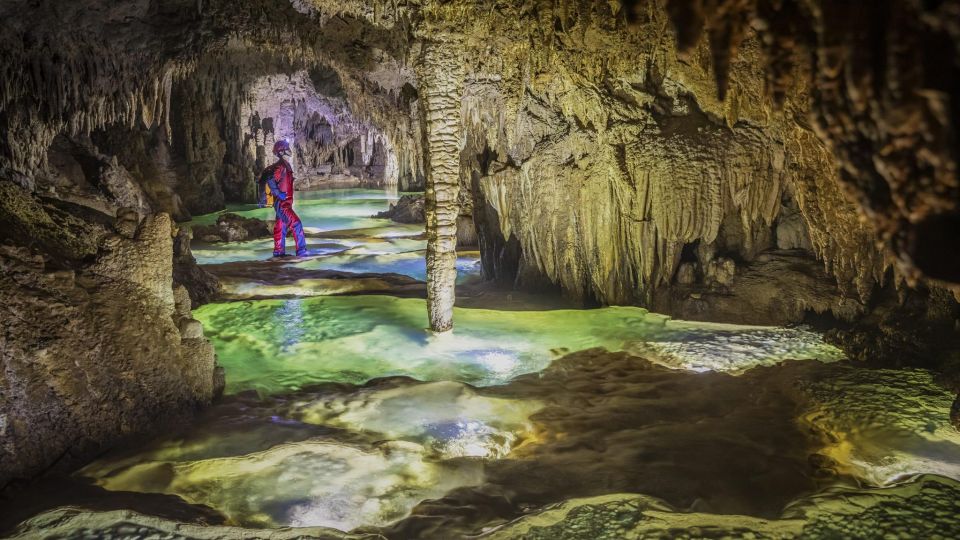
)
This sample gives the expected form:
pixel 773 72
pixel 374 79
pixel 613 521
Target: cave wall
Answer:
pixel 611 86
pixel 673 153
pixel 738 160
pixel 612 162
pixel 330 145
pixel 97 342
pixel 885 79
pixel 114 119
pixel 72 70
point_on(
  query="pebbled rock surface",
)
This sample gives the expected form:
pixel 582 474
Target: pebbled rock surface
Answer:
pixel 125 524
pixel 920 509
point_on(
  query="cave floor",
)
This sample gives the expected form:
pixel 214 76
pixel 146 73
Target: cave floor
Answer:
pixel 344 418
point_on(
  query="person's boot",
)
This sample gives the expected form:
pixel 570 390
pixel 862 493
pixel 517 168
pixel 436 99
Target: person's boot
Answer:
pixel 301 240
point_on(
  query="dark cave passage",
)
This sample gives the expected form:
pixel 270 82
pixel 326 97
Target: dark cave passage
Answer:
pixel 646 269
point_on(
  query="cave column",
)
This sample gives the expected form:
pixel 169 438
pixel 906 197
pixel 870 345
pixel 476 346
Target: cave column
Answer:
pixel 440 74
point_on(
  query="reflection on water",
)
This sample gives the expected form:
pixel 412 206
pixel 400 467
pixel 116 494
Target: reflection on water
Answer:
pixel 308 483
pixel 324 209
pixel 342 236
pixel 290 316
pixel 443 460
pixel 447 417
pixel 358 338
pixel 343 412
pixel 409 263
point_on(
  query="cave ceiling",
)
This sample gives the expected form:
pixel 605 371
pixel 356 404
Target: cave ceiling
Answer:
pixel 860 101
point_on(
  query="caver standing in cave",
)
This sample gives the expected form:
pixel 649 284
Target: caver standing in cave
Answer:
pixel 276 183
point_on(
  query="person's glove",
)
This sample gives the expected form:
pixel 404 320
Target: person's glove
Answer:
pixel 281 195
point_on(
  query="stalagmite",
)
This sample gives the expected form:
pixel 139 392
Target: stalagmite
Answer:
pixel 440 71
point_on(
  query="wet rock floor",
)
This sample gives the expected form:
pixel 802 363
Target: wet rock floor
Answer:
pixel 344 418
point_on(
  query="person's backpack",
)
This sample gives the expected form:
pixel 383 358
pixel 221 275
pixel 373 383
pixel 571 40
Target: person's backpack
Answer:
pixel 265 195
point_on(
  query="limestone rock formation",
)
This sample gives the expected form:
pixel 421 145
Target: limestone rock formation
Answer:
pixel 126 523
pixel 886 84
pixel 617 162
pixel 332 147
pixel 618 151
pixel 201 286
pixel 97 345
pixel 749 161
pixel 233 228
pixel 440 73
pixel 779 287
pixel 846 513
pixel 409 209
pixel 955 413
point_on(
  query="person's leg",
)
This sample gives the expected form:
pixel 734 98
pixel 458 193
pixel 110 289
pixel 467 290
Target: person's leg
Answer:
pixel 293 221
pixel 279 233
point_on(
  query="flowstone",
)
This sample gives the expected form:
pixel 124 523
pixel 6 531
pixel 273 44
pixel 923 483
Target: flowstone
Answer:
pixel 81 373
pixel 924 508
pixel 882 425
pixel 80 524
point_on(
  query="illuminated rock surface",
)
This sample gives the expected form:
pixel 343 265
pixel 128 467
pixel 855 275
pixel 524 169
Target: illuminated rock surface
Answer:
pixel 760 162
pixel 308 483
pixel 879 442
pixel 592 423
pixel 342 412
pixel 715 455
pixel 77 524
pixel 925 508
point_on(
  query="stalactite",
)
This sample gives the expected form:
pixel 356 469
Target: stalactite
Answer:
pixel 583 93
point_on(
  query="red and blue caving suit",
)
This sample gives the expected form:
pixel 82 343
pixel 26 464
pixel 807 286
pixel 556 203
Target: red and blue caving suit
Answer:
pixel 281 184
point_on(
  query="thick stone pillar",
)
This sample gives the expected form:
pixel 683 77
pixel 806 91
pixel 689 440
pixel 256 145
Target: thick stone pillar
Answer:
pixel 440 74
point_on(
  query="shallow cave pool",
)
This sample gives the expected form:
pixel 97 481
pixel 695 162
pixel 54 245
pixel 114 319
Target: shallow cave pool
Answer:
pixel 421 456
pixel 322 210
pixel 344 417
pixel 274 346
pixel 342 236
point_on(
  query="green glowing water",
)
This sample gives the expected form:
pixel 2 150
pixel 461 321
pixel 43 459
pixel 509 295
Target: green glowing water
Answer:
pixel 326 210
pixel 339 459
pixel 356 414
pixel 342 236
pixel 281 345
